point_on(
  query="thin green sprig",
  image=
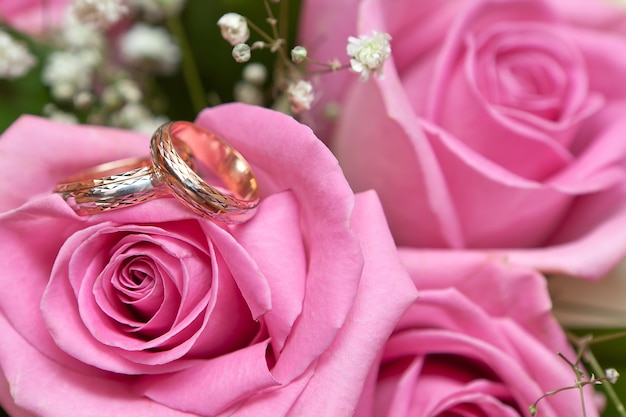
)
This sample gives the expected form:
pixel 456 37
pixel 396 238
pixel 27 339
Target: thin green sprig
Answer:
pixel 582 344
pixel 584 354
pixel 191 76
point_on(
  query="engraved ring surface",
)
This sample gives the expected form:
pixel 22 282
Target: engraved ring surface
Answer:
pixel 111 186
pixel 176 146
pixel 215 154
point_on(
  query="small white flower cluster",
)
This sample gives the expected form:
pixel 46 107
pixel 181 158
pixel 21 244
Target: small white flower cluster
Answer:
pixel 52 112
pixel 99 13
pixel 137 117
pixel 150 48
pixel 77 35
pixel 300 95
pixel 105 87
pixel 15 59
pixel 369 53
pixel 126 97
pixel 250 89
pixel 234 29
pixel 120 92
pixel 68 72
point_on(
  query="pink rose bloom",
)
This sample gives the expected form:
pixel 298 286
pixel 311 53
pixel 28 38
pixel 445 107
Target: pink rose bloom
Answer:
pixel 33 16
pixel 152 310
pixel 480 341
pixel 498 125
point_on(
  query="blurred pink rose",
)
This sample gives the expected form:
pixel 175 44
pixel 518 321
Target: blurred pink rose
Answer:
pixel 498 125
pixel 480 341
pixel 33 16
pixel 151 310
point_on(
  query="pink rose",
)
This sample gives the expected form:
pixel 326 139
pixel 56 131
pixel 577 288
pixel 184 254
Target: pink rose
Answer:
pixel 33 16
pixel 152 310
pixel 480 341
pixel 498 125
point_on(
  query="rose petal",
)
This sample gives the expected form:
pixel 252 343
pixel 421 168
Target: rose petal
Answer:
pixel 32 16
pixel 286 274
pixel 486 195
pixel 246 274
pixel 272 402
pixel 520 378
pixel 588 246
pixel 397 395
pixel 326 202
pixel 87 394
pixel 31 258
pixel 71 334
pixel 426 198
pixel 384 294
pixel 6 400
pixel 476 399
pixel 472 272
pixel 52 157
pixel 207 387
pixel 604 57
pixel 599 164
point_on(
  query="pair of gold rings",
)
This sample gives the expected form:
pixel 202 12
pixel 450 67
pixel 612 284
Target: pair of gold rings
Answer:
pixel 179 151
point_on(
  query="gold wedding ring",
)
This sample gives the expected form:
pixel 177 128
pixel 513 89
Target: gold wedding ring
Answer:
pixel 219 157
pixel 177 150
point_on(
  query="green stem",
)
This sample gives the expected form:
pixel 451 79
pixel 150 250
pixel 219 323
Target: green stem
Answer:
pixel 582 400
pixel 272 19
pixel 282 54
pixel 261 32
pixel 610 391
pixel 608 337
pixel 189 67
pixel 283 28
pixel 329 70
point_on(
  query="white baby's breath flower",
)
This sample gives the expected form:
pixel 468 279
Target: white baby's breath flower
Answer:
pixel 300 95
pixel 241 52
pixel 149 124
pixel 611 375
pixel 99 13
pixel 369 53
pixel 150 48
pixel 255 73
pixel 77 35
pixel 83 99
pixel 54 113
pixel 120 92
pixel 68 73
pixel 245 92
pixel 298 54
pixel 15 59
pixel 137 117
pixel 234 28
